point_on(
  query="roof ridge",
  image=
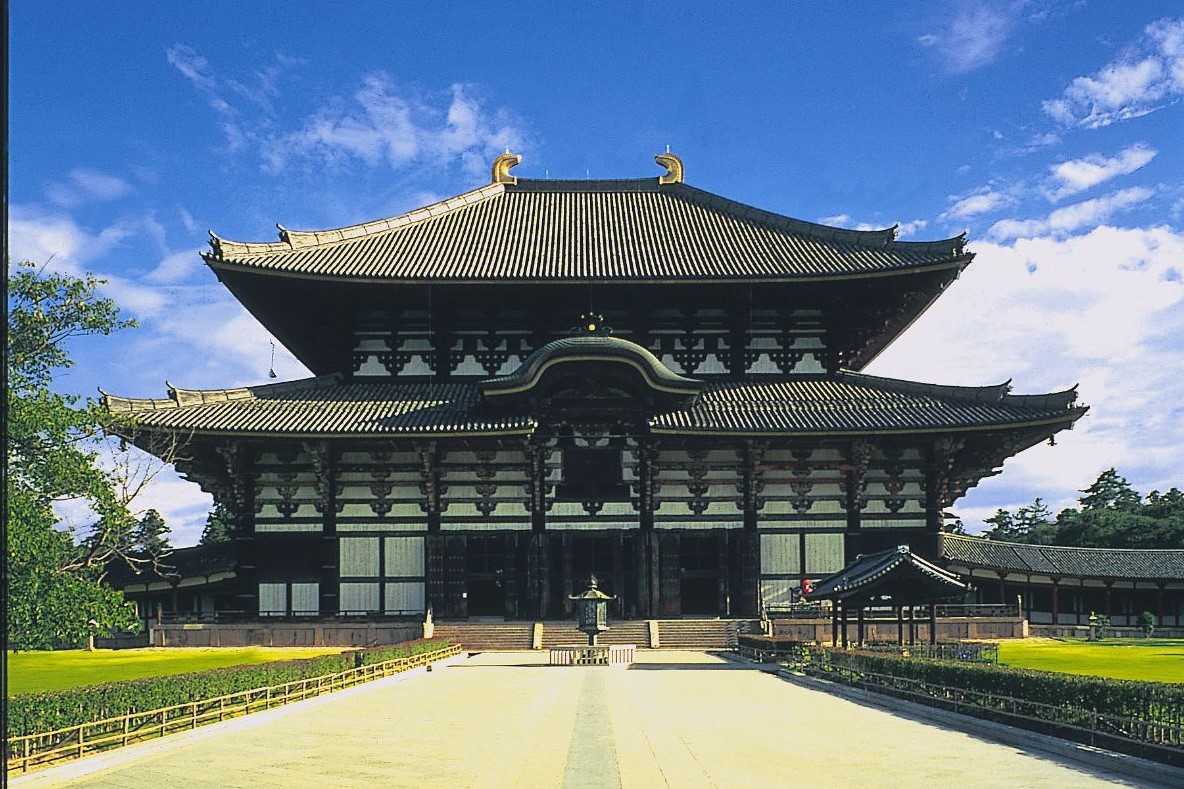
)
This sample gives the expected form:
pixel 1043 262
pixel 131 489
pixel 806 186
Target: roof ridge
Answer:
pixel 299 239
pixel 954 246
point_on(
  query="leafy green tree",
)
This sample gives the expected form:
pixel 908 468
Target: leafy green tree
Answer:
pixel 52 441
pixel 1147 622
pixel 219 525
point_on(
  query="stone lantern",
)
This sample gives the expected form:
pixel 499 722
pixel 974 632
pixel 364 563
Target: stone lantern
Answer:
pixel 592 610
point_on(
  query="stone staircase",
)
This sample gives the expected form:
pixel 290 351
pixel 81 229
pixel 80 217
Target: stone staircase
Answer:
pixel 565 634
pixel 697 633
pixel 487 636
pixel 672 634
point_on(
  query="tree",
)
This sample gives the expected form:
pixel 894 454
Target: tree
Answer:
pixel 52 443
pixel 219 525
pixel 1032 523
pixel 150 536
pixel 1111 492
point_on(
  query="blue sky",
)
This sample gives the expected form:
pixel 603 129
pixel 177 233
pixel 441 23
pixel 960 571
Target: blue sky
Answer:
pixel 1050 131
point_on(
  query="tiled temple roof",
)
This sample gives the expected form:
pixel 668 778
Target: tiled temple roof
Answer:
pixel 853 402
pixel 883 570
pixel 578 231
pixel 192 562
pixel 847 403
pixel 1061 561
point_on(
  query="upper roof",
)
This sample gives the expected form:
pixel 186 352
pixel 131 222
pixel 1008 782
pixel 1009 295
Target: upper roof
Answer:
pixel 848 404
pixel 1062 561
pixel 640 230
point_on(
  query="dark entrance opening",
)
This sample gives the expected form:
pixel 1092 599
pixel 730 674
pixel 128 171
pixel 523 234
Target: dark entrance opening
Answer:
pixel 485 568
pixel 701 566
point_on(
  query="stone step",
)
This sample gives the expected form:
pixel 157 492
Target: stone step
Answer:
pixel 565 634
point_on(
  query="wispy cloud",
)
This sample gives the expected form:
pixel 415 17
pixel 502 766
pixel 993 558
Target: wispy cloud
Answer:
pixel 1103 309
pixel 1144 78
pixel 384 124
pixel 1076 175
pixel 1072 217
pixel 982 201
pixel 973 36
pixel 86 185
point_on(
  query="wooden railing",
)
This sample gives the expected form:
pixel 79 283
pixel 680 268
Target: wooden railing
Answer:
pixel 40 750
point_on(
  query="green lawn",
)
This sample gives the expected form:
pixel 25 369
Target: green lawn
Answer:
pixel 29 672
pixel 1156 659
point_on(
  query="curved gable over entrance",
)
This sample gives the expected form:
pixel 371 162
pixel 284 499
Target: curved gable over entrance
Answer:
pixel 590 368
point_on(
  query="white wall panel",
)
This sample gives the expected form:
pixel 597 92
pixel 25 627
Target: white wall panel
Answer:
pixel 824 553
pixel 273 599
pixel 306 598
pixel 404 556
pixel 404 598
pixel 358 598
pixel 780 553
pixel 358 557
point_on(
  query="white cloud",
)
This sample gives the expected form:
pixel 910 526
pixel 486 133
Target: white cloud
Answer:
pixel 176 266
pixel 1071 217
pixel 1146 77
pixel 973 37
pixel 1104 309
pixel 1076 175
pixel 973 205
pixel 382 123
pixel 846 220
pixel 57 241
pixel 86 185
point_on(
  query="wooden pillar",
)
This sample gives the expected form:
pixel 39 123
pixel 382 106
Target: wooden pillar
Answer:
pixel 834 623
pixel 1055 601
pixel 1159 613
pixel 845 625
pixel 568 580
pixel 433 547
pixel 724 604
pixel 1108 596
pixel 859 629
pixel 899 626
pixel 912 625
pixel 933 623
pixel 619 589
pixel 646 556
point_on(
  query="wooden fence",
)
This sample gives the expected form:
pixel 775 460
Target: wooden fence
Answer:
pixel 46 748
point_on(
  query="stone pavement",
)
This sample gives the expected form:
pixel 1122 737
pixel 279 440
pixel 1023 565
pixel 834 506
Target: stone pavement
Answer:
pixel 675 719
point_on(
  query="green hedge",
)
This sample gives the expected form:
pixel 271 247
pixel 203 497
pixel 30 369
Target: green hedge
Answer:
pixel 1148 701
pixel 33 713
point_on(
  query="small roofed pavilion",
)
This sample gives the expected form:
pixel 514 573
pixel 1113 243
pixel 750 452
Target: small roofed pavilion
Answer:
pixel 896 577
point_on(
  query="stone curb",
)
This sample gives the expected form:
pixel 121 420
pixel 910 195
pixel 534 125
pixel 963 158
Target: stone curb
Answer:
pixel 1118 764
pixel 52 776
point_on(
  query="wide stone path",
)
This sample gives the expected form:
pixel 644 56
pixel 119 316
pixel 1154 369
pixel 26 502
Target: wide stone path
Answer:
pixel 676 719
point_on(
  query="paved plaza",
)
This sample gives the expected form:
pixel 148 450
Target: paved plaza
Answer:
pixel 675 719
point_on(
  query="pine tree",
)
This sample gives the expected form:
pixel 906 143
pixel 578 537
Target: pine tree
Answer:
pixel 150 535
pixel 219 525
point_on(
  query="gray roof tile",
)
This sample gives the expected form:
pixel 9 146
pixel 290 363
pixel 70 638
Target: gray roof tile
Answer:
pixel 633 230
pixel 1063 561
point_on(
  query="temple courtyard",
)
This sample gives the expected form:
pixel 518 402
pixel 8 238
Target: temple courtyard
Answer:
pixel 674 719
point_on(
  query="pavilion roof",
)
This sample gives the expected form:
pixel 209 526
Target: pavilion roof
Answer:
pixel 897 572
pixel 636 230
pixel 192 562
pixel 1063 561
pixel 846 404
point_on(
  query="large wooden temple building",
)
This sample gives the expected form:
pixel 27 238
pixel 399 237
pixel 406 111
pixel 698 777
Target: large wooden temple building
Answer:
pixel 542 379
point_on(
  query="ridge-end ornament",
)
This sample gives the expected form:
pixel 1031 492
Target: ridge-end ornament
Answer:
pixel 673 167
pixel 501 168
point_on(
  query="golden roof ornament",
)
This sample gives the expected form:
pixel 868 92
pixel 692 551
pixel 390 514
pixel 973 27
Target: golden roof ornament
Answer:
pixel 673 167
pixel 502 165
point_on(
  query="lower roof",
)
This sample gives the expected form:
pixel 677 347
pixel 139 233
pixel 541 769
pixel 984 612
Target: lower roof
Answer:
pixel 844 404
pixel 1057 561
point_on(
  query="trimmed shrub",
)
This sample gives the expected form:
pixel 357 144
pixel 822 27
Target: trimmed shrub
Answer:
pixel 34 713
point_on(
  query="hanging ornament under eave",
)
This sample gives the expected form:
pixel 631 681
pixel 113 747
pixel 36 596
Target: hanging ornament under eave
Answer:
pixel 271 368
